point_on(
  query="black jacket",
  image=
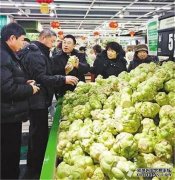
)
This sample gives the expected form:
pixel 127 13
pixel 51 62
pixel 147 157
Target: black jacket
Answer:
pixel 59 63
pixel 37 65
pixel 14 89
pixel 106 67
pixel 136 62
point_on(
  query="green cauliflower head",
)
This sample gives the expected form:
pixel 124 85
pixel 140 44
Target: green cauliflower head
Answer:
pixel 125 145
pixel 162 98
pixel 163 150
pixel 147 109
pixel 171 98
pixel 169 85
pixel 127 119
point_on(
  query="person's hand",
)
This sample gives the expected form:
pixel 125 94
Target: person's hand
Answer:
pixel 30 81
pixel 35 88
pixel 76 64
pixel 68 68
pixel 72 80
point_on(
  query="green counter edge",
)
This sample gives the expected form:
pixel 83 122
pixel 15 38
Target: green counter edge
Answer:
pixel 49 163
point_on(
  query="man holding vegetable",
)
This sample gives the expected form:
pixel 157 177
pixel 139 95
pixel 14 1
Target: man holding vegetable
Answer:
pixel 70 62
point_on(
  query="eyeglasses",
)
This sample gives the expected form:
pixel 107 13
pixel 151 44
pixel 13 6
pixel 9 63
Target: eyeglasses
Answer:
pixel 67 42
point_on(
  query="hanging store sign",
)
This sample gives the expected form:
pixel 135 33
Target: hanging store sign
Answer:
pixel 167 23
pixel 166 37
pixel 166 42
pixel 152 35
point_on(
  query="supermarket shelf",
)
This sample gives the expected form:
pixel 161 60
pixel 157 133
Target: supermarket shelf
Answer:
pixel 49 163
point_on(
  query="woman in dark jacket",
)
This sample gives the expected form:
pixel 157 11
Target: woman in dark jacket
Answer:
pixel 141 56
pixel 110 62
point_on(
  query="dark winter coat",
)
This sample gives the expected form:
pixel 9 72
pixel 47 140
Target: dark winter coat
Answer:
pixel 14 89
pixel 59 63
pixel 106 67
pixel 136 62
pixel 37 65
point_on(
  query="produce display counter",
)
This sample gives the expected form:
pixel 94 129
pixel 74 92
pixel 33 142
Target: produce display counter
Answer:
pixel 116 128
pixel 49 164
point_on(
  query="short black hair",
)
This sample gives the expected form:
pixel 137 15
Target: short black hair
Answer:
pixel 72 37
pixel 97 48
pixel 114 46
pixel 82 48
pixel 12 29
pixel 27 39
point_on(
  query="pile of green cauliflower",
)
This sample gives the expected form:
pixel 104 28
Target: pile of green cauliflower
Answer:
pixel 111 127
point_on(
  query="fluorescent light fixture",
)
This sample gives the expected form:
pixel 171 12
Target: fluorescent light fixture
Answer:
pixel 19 13
pixel 17 4
pixel 52 6
pixel 73 6
pixel 107 7
pixel 121 15
pixel 139 7
pixel 155 16
pixel 165 8
pixel 20 4
pixel 52 14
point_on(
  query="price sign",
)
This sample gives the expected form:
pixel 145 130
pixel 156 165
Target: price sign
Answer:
pixel 166 42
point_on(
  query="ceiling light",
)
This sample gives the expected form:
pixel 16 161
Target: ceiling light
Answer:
pixel 166 8
pixel 52 6
pixel 121 15
pixel 17 4
pixel 27 11
pixel 52 14
pixel 138 7
pixel 107 7
pixel 73 6
pixel 19 13
pixel 155 16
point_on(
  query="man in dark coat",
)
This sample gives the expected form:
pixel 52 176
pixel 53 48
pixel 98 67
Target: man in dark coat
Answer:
pixel 141 56
pixel 110 62
pixel 15 91
pixel 60 63
pixel 37 65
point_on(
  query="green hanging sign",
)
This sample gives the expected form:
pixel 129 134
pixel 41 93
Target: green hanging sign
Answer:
pixel 3 21
pixel 152 34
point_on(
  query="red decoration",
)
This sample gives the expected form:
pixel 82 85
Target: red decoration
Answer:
pixel 44 1
pixel 113 24
pixel 44 8
pixel 55 24
pixel 96 33
pixel 60 33
pixel 132 33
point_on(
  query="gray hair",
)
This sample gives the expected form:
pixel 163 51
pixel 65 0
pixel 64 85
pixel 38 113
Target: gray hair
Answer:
pixel 47 33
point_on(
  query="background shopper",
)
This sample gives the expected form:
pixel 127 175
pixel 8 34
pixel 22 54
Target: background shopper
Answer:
pixel 110 62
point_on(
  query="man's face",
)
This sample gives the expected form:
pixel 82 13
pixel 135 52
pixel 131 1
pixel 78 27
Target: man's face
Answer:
pixel 16 43
pixel 68 45
pixel 142 55
pixel 49 41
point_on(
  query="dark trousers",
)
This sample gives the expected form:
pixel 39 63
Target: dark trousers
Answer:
pixel 38 136
pixel 10 150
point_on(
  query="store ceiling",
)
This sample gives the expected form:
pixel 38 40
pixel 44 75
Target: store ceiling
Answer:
pixel 86 16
